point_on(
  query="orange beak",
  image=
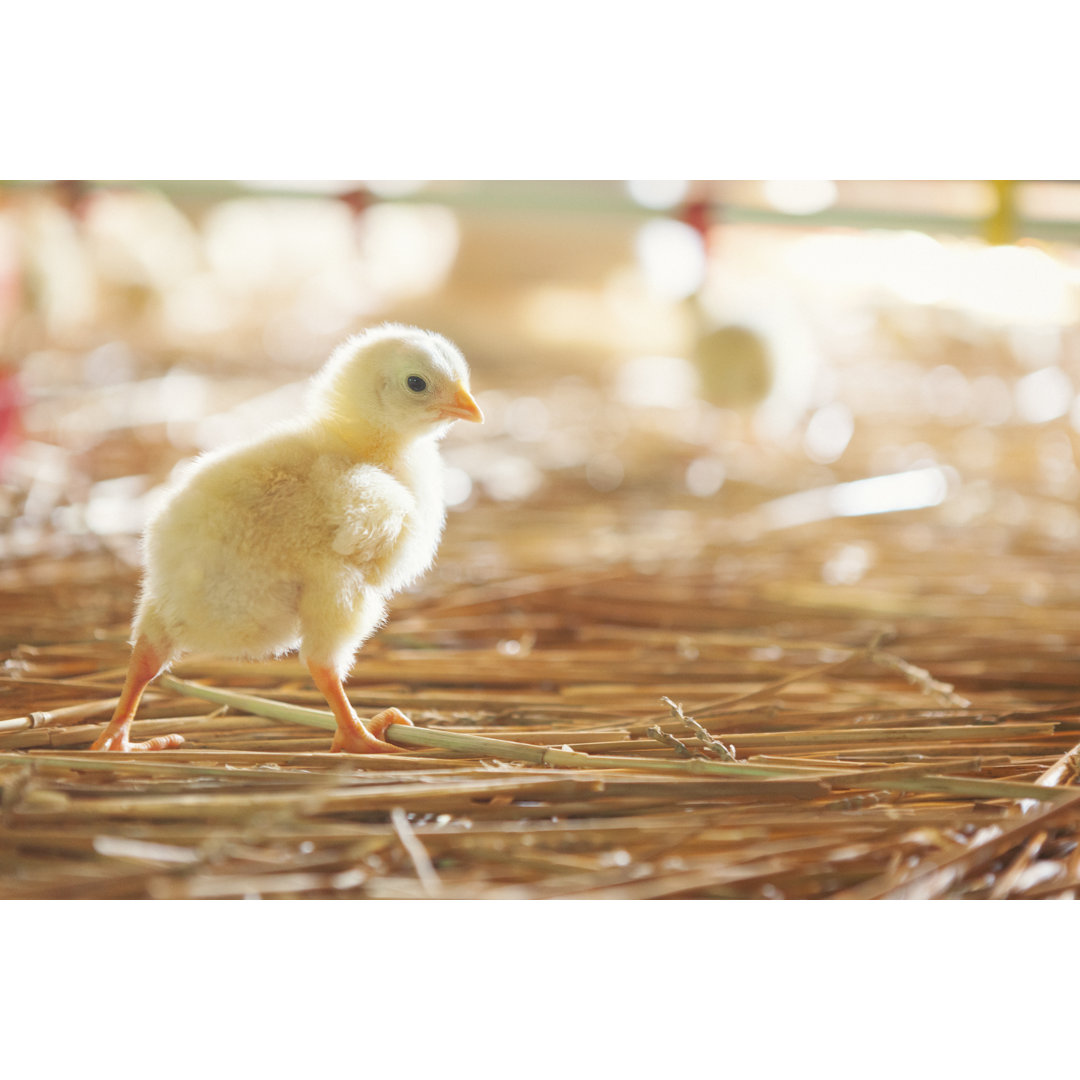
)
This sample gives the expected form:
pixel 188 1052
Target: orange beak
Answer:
pixel 462 407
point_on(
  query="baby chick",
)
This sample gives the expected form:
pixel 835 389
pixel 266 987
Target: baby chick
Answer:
pixel 299 537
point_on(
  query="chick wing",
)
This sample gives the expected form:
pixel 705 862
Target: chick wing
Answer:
pixel 373 509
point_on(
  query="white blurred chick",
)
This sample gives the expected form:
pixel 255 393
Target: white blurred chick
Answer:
pixel 299 537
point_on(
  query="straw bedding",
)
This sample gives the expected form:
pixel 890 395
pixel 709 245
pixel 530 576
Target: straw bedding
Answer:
pixel 912 734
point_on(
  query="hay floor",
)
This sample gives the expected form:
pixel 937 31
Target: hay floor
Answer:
pixel 630 591
pixel 881 780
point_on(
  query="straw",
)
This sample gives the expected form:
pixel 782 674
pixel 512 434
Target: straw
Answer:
pixel 507 750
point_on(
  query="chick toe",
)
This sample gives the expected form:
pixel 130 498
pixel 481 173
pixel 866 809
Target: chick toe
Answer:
pixel 118 740
pixel 378 724
pixel 355 738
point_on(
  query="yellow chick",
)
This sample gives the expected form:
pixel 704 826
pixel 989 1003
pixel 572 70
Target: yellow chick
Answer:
pixel 298 538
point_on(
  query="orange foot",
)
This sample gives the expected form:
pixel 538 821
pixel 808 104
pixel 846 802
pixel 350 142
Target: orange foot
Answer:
pixel 118 740
pixel 359 739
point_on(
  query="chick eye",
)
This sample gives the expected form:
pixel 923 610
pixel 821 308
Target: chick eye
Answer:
pixel 416 384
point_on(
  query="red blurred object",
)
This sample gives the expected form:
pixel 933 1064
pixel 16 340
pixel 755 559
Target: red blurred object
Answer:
pixel 11 405
pixel 74 196
pixel 357 200
pixel 697 213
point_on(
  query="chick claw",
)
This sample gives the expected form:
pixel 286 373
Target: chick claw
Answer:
pixel 378 724
pixel 369 739
pixel 118 740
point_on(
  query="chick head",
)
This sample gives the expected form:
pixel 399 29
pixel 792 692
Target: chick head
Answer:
pixel 398 380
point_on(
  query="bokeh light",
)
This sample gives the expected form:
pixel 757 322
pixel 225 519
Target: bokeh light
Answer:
pixel 666 382
pixel 828 433
pixel 658 194
pixel 407 249
pixel 1044 395
pixel 672 258
pixel 800 196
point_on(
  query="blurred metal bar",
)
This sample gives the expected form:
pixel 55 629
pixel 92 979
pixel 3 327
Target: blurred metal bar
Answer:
pixel 1005 226
pixel 839 217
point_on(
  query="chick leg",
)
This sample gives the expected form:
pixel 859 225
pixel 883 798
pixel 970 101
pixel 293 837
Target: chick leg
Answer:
pixel 146 664
pixel 335 618
pixel 352 734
